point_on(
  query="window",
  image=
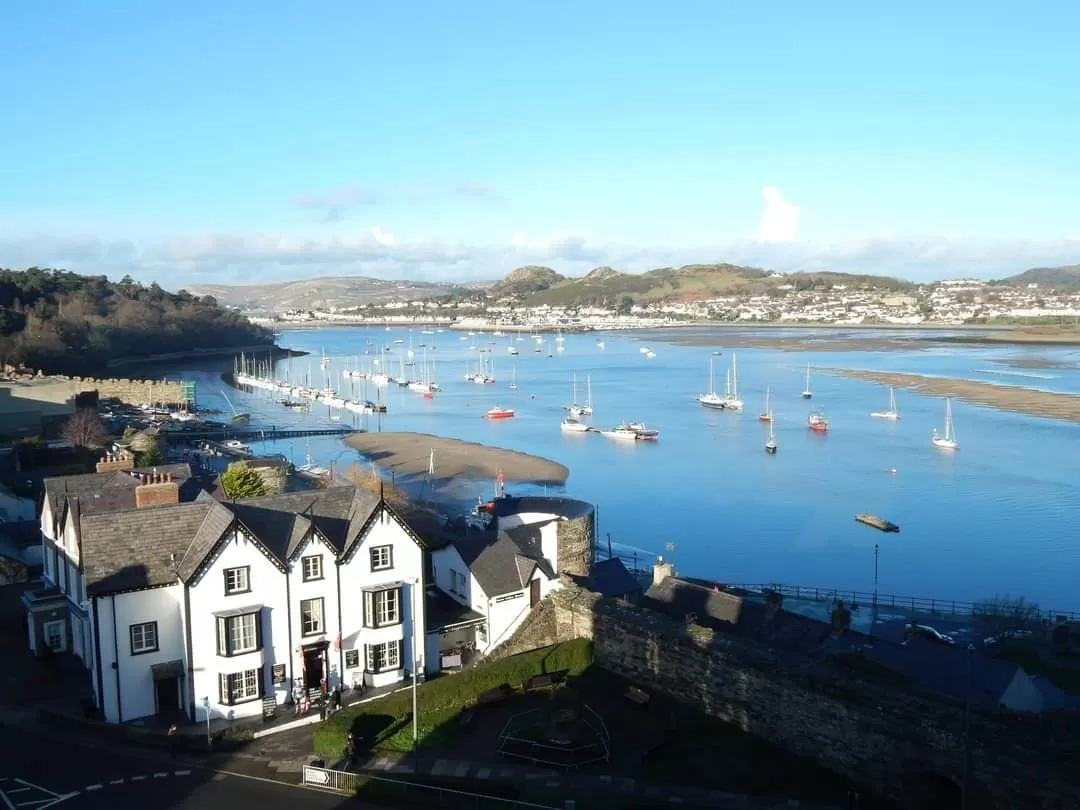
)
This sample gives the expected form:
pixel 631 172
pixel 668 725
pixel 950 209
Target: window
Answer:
pixel 238 634
pixel 55 636
pixel 237 580
pixel 311 617
pixel 382 558
pixel 311 567
pixel 457 583
pixel 277 673
pixel 240 687
pixel 143 638
pixel 352 659
pixel 382 608
pixel 384 657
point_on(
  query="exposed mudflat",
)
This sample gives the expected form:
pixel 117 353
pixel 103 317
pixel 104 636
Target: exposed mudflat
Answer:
pixel 1007 398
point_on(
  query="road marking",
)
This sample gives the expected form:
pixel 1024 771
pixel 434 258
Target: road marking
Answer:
pixel 93 787
pixel 159 775
pixel 137 778
pixel 18 786
pixel 183 773
pixel 117 782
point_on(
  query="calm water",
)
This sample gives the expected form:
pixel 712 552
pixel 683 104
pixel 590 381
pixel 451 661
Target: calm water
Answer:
pixel 999 516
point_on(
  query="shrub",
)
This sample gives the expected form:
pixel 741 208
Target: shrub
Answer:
pixel 386 724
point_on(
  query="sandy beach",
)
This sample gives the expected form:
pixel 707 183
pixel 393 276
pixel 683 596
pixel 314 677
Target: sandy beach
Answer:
pixel 1017 400
pixel 408 455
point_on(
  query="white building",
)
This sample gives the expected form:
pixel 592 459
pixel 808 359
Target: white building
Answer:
pixel 174 605
pixel 489 581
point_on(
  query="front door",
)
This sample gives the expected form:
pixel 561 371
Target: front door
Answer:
pixel 534 593
pixel 168 696
pixel 313 668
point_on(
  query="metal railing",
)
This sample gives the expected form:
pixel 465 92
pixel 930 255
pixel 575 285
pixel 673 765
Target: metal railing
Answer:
pixel 369 785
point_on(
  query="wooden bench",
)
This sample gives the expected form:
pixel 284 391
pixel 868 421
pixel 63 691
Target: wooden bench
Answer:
pixel 496 695
pixel 635 695
pixel 547 679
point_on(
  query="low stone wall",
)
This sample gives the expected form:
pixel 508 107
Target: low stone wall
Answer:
pixel 137 392
pixel 879 735
pixel 50 395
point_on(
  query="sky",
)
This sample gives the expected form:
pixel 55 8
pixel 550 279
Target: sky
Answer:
pixel 243 142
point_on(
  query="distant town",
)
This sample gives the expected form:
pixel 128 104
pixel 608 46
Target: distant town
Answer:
pixel 945 303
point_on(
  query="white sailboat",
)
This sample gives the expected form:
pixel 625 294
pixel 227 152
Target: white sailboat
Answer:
pixel 807 394
pixel 513 379
pixel 731 399
pixel 586 409
pixel 890 414
pixel 711 399
pixel 770 445
pixel 573 425
pixel 766 415
pixel 948 441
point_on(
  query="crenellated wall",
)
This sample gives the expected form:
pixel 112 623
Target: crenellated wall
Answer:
pixel 878 735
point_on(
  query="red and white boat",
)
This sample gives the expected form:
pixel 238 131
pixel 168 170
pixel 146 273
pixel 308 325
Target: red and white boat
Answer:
pixel 818 423
pixel 500 413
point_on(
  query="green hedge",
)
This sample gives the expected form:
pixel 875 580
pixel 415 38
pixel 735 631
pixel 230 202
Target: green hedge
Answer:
pixel 386 724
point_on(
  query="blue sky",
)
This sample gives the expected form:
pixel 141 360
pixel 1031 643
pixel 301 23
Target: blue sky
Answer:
pixel 240 142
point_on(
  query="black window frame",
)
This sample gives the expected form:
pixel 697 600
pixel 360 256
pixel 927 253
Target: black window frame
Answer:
pixel 131 638
pixel 247 579
pixel 400 656
pixel 225 686
pixel 303 568
pixel 322 617
pixel 389 547
pixel 371 613
pixel 352 659
pixel 224 636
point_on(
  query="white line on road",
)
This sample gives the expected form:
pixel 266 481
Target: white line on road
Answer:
pixel 92 787
pixel 160 775
pixel 183 773
pixel 137 778
pixel 116 782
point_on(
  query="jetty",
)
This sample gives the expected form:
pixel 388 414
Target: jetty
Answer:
pixel 875 522
pixel 249 434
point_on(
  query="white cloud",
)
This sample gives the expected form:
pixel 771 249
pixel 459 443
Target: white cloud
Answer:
pixel 248 258
pixel 779 219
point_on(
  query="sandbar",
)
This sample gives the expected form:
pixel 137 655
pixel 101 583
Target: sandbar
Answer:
pixel 1007 398
pixel 408 455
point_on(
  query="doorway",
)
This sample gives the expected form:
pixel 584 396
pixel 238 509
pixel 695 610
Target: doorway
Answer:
pixel 534 593
pixel 167 694
pixel 313 667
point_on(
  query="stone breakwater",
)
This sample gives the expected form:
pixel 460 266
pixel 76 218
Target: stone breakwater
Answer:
pixel 62 390
pixel 877 733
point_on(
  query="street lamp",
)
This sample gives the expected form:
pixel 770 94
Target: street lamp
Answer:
pixel 416 663
pixel 873 609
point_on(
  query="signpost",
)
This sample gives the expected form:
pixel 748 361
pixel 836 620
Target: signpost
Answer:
pixel 206 708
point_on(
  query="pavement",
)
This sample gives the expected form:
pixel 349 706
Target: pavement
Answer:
pixel 38 773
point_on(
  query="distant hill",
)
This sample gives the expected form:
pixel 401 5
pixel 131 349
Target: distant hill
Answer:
pixel 1059 278
pixel 319 293
pixel 604 286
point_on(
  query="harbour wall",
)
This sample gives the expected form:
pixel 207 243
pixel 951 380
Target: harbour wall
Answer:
pixel 906 745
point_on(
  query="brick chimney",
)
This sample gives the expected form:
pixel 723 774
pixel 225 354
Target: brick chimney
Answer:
pixel 661 570
pixel 111 462
pixel 156 489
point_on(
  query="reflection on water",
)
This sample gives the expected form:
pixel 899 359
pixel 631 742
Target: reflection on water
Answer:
pixel 997 516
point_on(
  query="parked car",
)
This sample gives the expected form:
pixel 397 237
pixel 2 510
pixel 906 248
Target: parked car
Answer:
pixel 929 633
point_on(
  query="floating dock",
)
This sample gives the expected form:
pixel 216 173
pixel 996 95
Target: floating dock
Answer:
pixel 875 522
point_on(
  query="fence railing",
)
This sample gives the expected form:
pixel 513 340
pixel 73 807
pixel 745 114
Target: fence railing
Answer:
pixel 372 786
pixel 640 566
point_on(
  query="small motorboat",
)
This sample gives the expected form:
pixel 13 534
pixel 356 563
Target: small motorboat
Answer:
pixel 500 413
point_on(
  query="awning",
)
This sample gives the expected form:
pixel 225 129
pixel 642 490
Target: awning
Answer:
pixel 384 586
pixel 226 614
pixel 170 669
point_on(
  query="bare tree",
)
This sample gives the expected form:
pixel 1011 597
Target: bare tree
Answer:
pixel 1004 614
pixel 84 428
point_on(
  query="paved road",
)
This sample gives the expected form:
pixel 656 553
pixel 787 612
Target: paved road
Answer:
pixel 37 774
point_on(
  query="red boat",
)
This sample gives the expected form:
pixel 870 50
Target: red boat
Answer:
pixel 500 413
pixel 818 423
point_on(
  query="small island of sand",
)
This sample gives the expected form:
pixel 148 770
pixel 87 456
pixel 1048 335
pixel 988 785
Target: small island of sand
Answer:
pixel 408 454
pixel 1008 398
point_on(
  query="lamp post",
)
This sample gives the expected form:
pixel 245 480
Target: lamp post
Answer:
pixel 873 609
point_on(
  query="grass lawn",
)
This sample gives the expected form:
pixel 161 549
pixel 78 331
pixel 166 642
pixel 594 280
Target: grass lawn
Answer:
pixel 386 724
pixel 1064 678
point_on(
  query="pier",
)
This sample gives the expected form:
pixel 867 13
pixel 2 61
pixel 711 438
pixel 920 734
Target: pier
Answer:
pixel 247 434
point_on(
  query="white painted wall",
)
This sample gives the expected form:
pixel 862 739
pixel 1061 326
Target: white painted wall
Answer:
pixel 208 597
pixel 136 685
pixel 356 575
pixel 326 589
pixel 446 560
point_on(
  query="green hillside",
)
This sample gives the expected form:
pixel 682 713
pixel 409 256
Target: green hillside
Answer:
pixel 1065 278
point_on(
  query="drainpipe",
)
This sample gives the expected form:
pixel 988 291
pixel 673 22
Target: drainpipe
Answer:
pixel 190 656
pixel 116 662
pixel 288 625
pixel 97 655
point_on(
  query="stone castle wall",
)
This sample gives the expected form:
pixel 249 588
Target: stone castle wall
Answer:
pixel 136 392
pixel 874 733
pixel 577 544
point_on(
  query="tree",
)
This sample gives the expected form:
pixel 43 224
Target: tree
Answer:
pixel 149 458
pixel 1003 615
pixel 85 429
pixel 240 481
pixel 625 305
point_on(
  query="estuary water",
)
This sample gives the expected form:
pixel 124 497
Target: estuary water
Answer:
pixel 999 516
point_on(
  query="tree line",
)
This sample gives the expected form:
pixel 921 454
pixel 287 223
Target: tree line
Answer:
pixel 64 323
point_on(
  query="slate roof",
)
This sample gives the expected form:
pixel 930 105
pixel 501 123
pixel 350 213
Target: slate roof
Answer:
pixel 114 490
pixel 503 561
pixel 682 597
pixel 611 578
pixel 133 548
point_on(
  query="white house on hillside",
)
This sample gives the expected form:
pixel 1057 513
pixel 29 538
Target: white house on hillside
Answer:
pixel 174 604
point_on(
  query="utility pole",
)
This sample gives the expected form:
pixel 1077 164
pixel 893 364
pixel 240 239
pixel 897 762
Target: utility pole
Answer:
pixel 873 609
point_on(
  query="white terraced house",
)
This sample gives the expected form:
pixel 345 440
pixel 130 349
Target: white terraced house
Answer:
pixel 173 599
